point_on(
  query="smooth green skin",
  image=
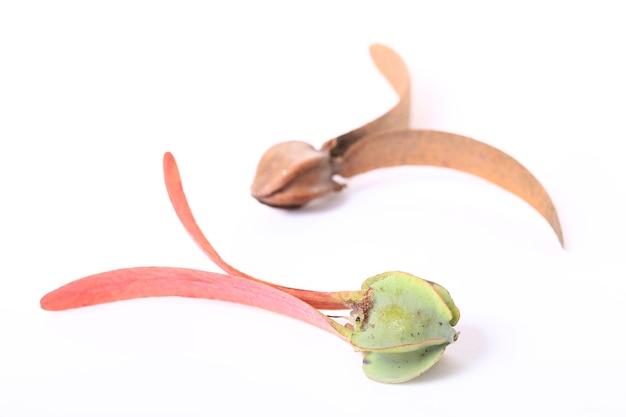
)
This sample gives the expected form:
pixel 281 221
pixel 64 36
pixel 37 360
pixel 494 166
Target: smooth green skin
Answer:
pixel 400 367
pixel 406 327
pixel 445 295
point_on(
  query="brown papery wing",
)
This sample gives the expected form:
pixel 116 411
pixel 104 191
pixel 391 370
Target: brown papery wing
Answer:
pixel 441 149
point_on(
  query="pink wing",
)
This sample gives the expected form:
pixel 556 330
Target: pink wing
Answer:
pixel 142 282
pixel 173 183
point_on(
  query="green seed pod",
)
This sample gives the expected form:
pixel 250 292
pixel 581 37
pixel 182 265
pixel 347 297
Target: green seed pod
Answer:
pixel 400 367
pixel 403 323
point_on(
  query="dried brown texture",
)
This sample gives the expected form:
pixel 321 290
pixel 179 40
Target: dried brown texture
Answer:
pixel 291 174
pixel 361 307
pixel 390 64
pixel 441 149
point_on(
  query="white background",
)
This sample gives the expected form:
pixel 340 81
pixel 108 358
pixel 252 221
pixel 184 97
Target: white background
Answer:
pixel 92 94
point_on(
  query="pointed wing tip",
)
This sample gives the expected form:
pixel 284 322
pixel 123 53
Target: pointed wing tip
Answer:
pixel 376 49
pixel 43 303
pixel 66 299
pixel 168 159
pixel 50 302
pixel 171 174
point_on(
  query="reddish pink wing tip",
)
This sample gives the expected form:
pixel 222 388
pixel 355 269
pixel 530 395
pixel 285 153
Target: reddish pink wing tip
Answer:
pixel 179 201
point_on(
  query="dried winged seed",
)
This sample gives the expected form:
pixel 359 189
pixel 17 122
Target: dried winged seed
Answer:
pixel 441 149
